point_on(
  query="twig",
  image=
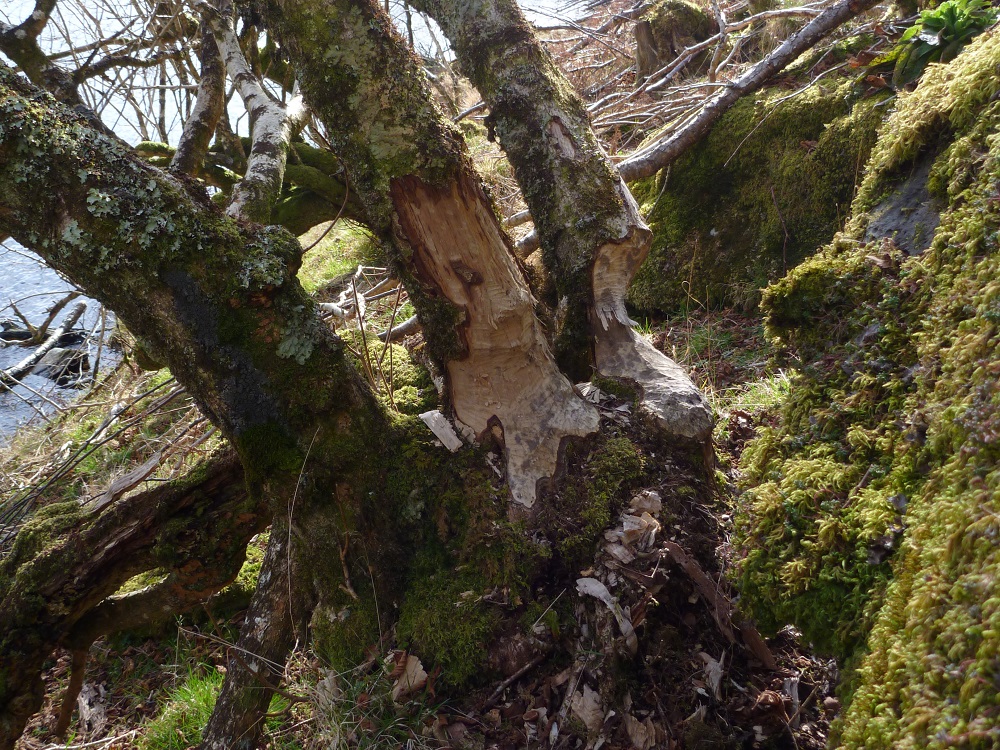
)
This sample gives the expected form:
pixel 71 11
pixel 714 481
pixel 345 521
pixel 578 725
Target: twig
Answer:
pixel 495 696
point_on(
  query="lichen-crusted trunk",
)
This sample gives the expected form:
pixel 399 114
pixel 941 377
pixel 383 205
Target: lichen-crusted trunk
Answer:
pixel 423 199
pixel 592 235
pixel 216 301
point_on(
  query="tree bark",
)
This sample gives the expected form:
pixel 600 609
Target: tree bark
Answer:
pixel 217 302
pixel 424 200
pixel 278 613
pixel 593 237
pixel 67 560
pixel 209 103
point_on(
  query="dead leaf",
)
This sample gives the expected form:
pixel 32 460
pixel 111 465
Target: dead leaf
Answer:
pixel 590 392
pixel 619 552
pixel 412 679
pixel 642 734
pixel 587 707
pixel 647 501
pixel 633 528
pixel 593 587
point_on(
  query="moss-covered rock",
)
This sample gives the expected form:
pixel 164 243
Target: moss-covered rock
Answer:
pixel 873 510
pixel 667 29
pixel 772 181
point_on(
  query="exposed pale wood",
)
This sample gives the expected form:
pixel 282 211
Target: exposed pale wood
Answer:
pixel 507 375
pixel 544 128
pixel 22 368
pixel 668 394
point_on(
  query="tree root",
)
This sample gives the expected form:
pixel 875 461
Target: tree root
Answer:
pixel 280 605
pixel 64 566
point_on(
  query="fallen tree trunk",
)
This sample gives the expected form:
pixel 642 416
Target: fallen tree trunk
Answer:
pixel 67 560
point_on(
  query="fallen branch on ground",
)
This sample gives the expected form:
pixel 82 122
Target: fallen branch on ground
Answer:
pixel 655 157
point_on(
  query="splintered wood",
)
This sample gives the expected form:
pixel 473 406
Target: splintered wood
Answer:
pixel 507 376
pixel 668 394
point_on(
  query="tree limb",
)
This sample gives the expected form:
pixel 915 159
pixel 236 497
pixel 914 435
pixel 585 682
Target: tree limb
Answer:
pixel 274 125
pixel 655 157
pixel 71 560
pixel 200 126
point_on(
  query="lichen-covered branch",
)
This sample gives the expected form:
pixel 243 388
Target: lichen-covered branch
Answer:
pixel 274 124
pixel 217 302
pixel 200 126
pixel 20 44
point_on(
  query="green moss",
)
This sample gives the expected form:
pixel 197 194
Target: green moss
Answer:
pixel 447 622
pixel 341 251
pixel 583 505
pixel 267 449
pixel 46 526
pixel 345 629
pixel 141 581
pixel 616 388
pixel 237 595
pixel 871 516
pixel 945 104
pixel 676 25
pixel 772 181
pixel 391 368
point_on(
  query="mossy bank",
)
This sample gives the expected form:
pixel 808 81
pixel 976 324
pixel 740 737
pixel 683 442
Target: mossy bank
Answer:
pixel 871 517
pixel 772 182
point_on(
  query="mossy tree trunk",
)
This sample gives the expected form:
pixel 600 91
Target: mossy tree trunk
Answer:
pixel 216 301
pixel 424 200
pixel 216 298
pixel 68 559
pixel 592 235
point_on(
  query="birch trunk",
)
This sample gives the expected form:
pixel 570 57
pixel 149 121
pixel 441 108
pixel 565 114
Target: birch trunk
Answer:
pixel 424 200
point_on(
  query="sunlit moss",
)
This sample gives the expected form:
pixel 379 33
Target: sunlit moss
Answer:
pixel 871 514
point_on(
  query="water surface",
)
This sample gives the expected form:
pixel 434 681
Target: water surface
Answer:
pixel 33 287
